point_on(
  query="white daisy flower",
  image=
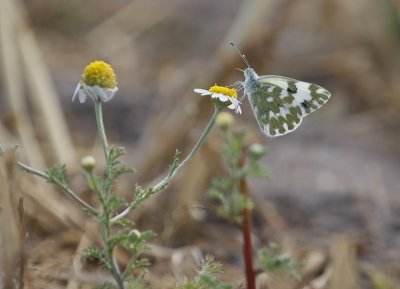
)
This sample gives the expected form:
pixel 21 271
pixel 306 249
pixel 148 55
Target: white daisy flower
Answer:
pixel 224 96
pixel 98 82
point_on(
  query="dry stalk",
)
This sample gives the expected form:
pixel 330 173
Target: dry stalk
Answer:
pixel 9 218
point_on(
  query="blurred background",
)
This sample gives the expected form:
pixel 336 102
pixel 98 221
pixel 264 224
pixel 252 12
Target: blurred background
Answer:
pixel 333 196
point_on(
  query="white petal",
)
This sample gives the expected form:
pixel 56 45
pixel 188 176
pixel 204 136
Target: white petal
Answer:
pixel 100 93
pixel 221 97
pixel 235 104
pixel 202 91
pixel 110 92
pixel 82 95
pixel 89 92
pixel 78 87
pixel 235 101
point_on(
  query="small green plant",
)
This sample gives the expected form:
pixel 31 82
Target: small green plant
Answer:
pixel 207 277
pixel 116 230
pixel 272 259
pixel 233 195
pixel 227 189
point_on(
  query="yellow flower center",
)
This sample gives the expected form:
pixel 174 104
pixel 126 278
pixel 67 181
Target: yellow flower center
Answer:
pixel 223 90
pixel 99 73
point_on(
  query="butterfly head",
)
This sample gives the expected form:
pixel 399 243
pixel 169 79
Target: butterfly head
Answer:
pixel 249 73
pixel 251 78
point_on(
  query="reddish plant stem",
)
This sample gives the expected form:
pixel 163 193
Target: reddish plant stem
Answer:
pixel 246 232
pixel 22 258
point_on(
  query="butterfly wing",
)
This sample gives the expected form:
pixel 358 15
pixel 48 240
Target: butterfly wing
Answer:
pixel 308 96
pixel 279 103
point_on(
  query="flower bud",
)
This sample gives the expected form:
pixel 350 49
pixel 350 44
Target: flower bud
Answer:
pixel 135 233
pixel 224 120
pixel 88 163
pixel 256 151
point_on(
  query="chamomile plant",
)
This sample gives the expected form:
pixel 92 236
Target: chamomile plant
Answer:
pixel 279 105
pixel 99 84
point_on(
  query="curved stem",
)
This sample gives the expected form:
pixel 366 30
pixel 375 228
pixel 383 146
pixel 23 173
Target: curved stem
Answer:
pixel 201 139
pixel 162 185
pixel 192 153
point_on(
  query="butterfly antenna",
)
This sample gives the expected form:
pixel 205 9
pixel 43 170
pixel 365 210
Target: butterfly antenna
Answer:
pixel 239 69
pixel 241 55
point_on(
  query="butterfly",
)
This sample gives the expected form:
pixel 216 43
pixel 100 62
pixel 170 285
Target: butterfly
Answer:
pixel 280 103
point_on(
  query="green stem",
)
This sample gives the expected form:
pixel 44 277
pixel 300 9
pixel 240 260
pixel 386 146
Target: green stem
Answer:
pixel 113 266
pixel 105 222
pixel 62 186
pixel 104 144
pixel 162 185
pixel 91 179
pixel 192 153
pixel 100 127
pixel 201 140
